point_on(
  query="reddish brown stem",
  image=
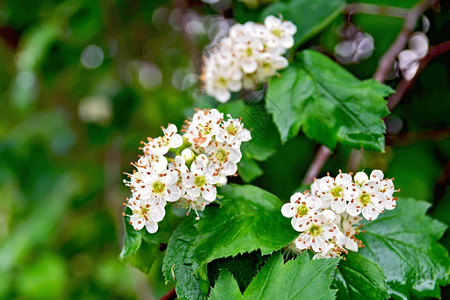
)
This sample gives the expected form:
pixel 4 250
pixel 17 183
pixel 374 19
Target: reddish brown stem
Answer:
pixel 169 295
pixel 400 42
pixel 404 85
pixel 321 157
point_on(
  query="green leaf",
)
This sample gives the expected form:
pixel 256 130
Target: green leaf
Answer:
pixel 329 103
pixel 310 16
pixel 249 169
pixel 243 267
pixel 249 219
pixel 226 288
pixel 301 278
pixel 403 242
pixel 359 278
pixel 256 119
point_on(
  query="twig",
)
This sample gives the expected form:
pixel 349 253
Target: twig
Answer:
pixel 169 295
pixel 404 85
pixel 401 40
pixel 373 9
pixel 319 160
pixel 410 137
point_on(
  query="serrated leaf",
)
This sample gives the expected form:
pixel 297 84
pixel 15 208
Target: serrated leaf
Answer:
pixel 249 219
pixel 359 278
pixel 310 16
pixel 329 103
pixel 403 242
pixel 243 267
pixel 300 278
pixel 225 288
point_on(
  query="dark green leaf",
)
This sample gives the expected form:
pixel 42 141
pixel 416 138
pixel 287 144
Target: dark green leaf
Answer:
pixel 310 16
pixel 297 279
pixel 243 267
pixel 359 278
pixel 403 242
pixel 226 288
pixel 256 119
pixel 249 219
pixel 329 103
pixel 249 169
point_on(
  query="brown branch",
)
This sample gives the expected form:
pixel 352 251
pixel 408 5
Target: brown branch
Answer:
pixel 322 155
pixel 373 9
pixel 404 84
pixel 400 42
pixel 169 295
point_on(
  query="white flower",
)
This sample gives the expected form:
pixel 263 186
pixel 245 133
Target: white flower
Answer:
pixel 331 191
pixel 301 208
pixel 279 33
pixel 318 232
pixel 409 60
pixel 249 55
pixel 203 127
pixel 145 213
pixel 223 158
pixel 233 132
pixel 366 199
pixel 160 187
pixel 161 145
pixel 386 187
pixel 200 181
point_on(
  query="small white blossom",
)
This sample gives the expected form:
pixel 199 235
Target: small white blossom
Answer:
pixel 233 133
pixel 301 208
pixel 318 232
pixel 249 55
pixel 330 224
pixel 331 191
pixel 145 213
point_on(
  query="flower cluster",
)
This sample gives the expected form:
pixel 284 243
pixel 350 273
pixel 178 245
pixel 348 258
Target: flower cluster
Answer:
pixel 328 217
pixel 184 169
pixel 250 54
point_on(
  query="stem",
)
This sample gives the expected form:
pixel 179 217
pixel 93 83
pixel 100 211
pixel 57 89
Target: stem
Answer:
pixel 401 40
pixel 404 85
pixel 169 295
pixel 373 9
pixel 321 157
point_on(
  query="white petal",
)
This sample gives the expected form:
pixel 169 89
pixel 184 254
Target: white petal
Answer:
pixel 157 212
pixel 176 141
pixel 376 174
pixel 229 168
pixel 289 210
pixel 418 42
pixel 173 193
pixel 209 193
pixel 343 179
pixel 361 177
pixel 339 205
pixel 151 227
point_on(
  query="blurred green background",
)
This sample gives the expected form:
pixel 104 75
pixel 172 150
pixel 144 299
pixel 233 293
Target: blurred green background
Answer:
pixel 82 82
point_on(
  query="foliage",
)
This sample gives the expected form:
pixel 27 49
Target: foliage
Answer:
pixel 82 82
pixel 329 103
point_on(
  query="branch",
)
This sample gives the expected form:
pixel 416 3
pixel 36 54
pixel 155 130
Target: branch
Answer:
pixel 373 9
pixel 170 295
pixel 319 160
pixel 404 84
pixel 401 40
